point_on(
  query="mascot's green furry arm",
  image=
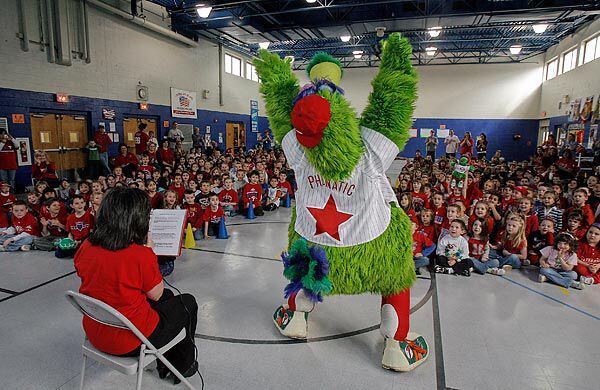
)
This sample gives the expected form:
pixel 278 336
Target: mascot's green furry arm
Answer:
pixel 347 234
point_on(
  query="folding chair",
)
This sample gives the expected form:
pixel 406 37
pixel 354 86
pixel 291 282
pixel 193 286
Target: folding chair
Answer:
pixel 105 314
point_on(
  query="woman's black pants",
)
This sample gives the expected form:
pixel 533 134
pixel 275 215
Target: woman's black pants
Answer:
pixel 174 317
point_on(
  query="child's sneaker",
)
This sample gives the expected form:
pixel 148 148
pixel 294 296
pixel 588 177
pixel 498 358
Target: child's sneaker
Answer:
pixel 26 248
pixel 577 285
pixel 405 355
pixel 542 278
pixel 526 263
pixel 586 280
pixel 291 323
pixel 443 270
pixel 466 272
pixel 496 271
pixel 507 268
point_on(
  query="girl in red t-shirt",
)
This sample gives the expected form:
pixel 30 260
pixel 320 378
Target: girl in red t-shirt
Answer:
pixel 511 248
pixel 426 225
pixel 406 203
pixel 588 254
pixel 479 247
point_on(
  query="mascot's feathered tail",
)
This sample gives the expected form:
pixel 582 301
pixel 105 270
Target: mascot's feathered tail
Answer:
pixel 307 268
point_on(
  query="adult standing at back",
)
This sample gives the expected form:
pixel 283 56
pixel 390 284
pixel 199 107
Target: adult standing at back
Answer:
pixel 466 145
pixel 141 139
pixel 451 143
pixel 103 141
pixel 482 144
pixel 8 159
pixel 116 267
pixel 431 145
pixel 174 135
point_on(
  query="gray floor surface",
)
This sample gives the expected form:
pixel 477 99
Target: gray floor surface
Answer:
pixel 493 332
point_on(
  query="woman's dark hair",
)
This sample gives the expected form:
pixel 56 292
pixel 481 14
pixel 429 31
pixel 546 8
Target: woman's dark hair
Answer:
pixel 123 219
pixel 567 238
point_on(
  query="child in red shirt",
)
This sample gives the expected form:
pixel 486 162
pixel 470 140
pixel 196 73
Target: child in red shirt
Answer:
pixel 406 203
pixel 79 226
pixel 156 198
pixel 538 240
pixel 439 210
pixel 420 200
pixel 284 186
pixel 24 229
pixel 33 203
pixel 6 198
pixel 194 213
pixel 427 227
pixel 53 219
pixel 574 225
pixel 212 217
pixel 511 249
pixel 580 197
pixel 479 247
pixel 420 242
pixel 145 166
pixel 177 186
pixel 526 211
pixel 252 192
pixel 228 198
pixel 588 265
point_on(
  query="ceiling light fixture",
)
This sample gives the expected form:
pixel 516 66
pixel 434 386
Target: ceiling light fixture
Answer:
pixel 358 56
pixel 345 38
pixel 515 49
pixel 264 45
pixel 434 32
pixel 357 52
pixel 540 28
pixel 203 10
pixel 431 50
pixel 311 1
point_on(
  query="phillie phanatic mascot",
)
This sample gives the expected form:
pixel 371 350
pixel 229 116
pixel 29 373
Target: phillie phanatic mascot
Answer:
pixel 348 235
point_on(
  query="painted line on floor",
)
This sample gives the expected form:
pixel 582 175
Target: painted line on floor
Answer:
pixel 564 290
pixel 234 254
pixel 440 371
pixel 255 223
pixel 37 286
pixel 4 290
pixel 551 298
pixel 420 304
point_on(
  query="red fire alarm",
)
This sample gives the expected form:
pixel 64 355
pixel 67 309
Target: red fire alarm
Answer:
pixel 62 98
pixel 143 106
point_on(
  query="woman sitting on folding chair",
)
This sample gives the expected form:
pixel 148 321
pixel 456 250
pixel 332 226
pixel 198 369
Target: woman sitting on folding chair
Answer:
pixel 117 266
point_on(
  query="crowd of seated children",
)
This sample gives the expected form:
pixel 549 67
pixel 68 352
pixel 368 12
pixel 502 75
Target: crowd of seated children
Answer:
pixel 504 216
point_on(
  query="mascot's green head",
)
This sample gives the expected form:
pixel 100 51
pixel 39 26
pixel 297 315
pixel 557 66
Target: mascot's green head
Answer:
pixel 324 122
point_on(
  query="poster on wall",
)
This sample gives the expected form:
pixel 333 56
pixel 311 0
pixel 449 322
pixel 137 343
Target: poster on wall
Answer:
pixel 586 111
pixel 254 115
pixel 413 133
pixel 425 133
pixel 574 110
pixel 596 113
pixel 4 124
pixel 183 104
pixel 443 133
pixel 593 136
pixel 108 114
pixel 24 151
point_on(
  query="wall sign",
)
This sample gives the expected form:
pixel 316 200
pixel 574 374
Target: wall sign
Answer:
pixel 254 115
pixel 183 104
pixel 18 118
pixel 109 114
pixel 207 129
pixel 4 124
pixel 23 151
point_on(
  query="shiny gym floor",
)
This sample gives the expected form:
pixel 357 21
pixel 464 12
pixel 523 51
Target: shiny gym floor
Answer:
pixel 485 332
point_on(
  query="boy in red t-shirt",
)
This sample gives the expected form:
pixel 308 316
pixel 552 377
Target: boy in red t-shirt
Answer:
pixel 228 198
pixel 580 198
pixel 194 213
pixel 538 240
pixel 588 265
pixel 6 198
pixel 23 230
pixel 420 242
pixel 178 186
pixel 284 186
pixel 79 226
pixel 145 166
pixel 252 192
pixel 53 219
pixel 212 216
pixel 439 210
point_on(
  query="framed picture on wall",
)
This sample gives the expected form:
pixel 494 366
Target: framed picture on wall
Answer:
pixel 23 151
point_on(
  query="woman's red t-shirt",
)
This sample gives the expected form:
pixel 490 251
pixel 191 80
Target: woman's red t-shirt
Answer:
pixel 121 280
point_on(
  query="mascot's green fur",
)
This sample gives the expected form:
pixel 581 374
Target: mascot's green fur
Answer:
pixel 384 265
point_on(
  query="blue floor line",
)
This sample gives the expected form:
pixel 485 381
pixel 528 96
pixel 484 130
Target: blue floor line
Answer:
pixel 552 298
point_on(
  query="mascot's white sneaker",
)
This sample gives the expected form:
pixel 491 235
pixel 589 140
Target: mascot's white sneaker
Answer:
pixel 292 324
pixel 405 355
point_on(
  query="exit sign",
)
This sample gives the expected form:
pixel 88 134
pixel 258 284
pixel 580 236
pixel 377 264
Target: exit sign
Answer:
pixel 62 98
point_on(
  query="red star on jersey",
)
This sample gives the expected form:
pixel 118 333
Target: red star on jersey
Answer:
pixel 329 218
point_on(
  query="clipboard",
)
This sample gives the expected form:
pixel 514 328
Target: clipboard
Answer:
pixel 166 231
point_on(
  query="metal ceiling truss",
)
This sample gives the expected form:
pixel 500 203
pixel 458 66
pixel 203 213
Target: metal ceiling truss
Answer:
pixel 483 34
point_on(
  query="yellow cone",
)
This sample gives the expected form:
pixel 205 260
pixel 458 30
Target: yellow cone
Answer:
pixel 189 237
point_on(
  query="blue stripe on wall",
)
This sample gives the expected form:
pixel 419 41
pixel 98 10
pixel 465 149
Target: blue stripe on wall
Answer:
pixel 13 101
pixel 499 133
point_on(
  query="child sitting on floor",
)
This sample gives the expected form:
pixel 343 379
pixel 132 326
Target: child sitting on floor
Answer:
pixel 511 248
pixel 273 195
pixel 229 198
pixel 588 266
pixel 453 251
pixel 212 217
pixel 79 226
pixel 252 192
pixel 479 247
pixel 538 240
pixel 420 242
pixel 24 228
pixel 557 262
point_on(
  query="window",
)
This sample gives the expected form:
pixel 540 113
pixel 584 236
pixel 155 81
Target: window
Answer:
pixel 233 65
pixel 251 72
pixel 569 60
pixel 551 69
pixel 590 50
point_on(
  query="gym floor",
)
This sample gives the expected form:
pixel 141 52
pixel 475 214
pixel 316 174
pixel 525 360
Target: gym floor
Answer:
pixel 485 332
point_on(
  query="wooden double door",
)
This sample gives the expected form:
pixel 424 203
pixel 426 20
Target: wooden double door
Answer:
pixel 63 137
pixel 130 127
pixel 235 135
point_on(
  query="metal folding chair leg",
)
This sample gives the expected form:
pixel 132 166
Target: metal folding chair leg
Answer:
pixel 82 372
pixel 174 371
pixel 138 384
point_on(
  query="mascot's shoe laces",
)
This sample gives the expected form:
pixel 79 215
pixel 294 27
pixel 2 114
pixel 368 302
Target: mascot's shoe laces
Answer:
pixel 291 323
pixel 405 355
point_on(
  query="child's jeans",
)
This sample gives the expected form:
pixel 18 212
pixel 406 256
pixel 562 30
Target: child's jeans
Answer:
pixel 459 267
pixel 230 210
pixel 482 266
pixel 561 277
pixel 15 246
pixel 512 259
pixel 421 261
pixel 199 233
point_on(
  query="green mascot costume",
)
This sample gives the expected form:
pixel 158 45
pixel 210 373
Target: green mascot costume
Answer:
pixel 347 235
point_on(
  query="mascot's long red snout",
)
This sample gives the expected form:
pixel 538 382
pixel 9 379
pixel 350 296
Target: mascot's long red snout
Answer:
pixel 310 117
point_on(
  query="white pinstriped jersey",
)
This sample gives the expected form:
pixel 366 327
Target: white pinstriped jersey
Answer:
pixel 350 212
